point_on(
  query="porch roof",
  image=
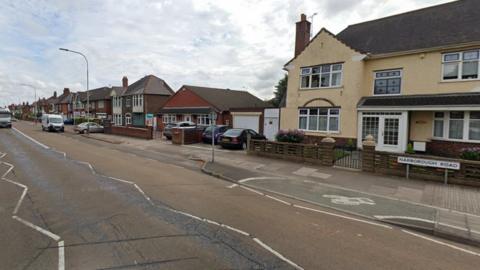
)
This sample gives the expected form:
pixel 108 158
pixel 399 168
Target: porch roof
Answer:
pixel 423 102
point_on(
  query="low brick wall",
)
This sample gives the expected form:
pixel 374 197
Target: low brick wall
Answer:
pixel 309 139
pixel 320 154
pixel 143 133
pixel 186 135
pixel 448 148
pixel 386 163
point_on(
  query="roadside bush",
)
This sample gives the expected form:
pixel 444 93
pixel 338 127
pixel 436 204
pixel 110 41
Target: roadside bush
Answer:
pixel 290 136
pixel 472 153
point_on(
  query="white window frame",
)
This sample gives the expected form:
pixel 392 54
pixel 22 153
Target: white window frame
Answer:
pixel 390 77
pixel 169 118
pixel 446 128
pixel 331 72
pixel 329 116
pixel 128 119
pixel 203 120
pixel 460 62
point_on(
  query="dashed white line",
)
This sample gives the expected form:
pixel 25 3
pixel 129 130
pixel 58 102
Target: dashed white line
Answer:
pixel 252 190
pixel 37 228
pixel 15 211
pixel 278 200
pixel 61 255
pixel 442 243
pixel 276 253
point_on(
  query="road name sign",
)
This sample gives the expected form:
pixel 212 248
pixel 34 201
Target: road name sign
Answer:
pixel 444 164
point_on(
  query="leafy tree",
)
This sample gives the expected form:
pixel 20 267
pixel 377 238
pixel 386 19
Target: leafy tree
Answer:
pixel 280 91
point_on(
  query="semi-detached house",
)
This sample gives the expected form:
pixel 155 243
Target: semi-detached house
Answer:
pixel 408 78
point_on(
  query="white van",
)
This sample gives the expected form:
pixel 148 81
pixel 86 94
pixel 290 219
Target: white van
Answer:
pixel 5 118
pixel 52 122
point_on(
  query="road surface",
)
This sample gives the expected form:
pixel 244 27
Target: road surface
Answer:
pixel 78 204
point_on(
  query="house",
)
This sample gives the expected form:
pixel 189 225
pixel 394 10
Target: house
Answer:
pixel 196 104
pixel 100 103
pixel 136 104
pixel 408 78
pixel 51 104
pixel 64 104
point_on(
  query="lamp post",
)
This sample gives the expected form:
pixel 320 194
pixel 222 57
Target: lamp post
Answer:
pixel 36 101
pixel 88 96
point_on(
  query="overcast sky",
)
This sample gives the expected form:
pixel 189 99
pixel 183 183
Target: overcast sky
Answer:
pixel 227 44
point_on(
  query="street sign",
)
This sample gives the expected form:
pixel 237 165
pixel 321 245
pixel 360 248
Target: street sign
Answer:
pixel 429 163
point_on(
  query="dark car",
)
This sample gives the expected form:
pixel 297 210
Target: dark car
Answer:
pixel 218 131
pixel 167 131
pixel 237 138
pixel 68 121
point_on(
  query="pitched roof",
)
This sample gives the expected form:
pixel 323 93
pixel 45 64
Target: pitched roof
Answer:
pixel 226 99
pixel 451 99
pixel 442 25
pixel 118 90
pixel 99 93
pixel 149 85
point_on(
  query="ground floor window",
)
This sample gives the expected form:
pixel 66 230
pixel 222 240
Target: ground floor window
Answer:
pixel 457 125
pixel 117 119
pixel 203 119
pixel 319 119
pixel 169 118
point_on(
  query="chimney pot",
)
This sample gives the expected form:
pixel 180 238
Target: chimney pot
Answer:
pixel 302 34
pixel 55 93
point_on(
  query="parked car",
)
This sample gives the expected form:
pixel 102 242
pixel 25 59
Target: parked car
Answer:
pixel 167 131
pixel 91 126
pixel 218 131
pixel 52 122
pixel 68 121
pixel 5 118
pixel 237 138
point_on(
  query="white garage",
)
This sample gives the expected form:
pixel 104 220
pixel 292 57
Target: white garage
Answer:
pixel 250 120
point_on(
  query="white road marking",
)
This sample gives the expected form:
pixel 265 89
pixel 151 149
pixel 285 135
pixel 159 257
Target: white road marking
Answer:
pixel 259 178
pixel 442 243
pixel 232 186
pixel 120 180
pixel 235 229
pixel 342 216
pixel 276 253
pixel 37 228
pixel 61 255
pixel 252 190
pixel 343 200
pixel 278 200
pixel 15 211
pixel 31 139
pixel 143 193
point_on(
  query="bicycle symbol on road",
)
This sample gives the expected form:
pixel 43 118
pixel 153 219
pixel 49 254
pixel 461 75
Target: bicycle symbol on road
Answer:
pixel 336 199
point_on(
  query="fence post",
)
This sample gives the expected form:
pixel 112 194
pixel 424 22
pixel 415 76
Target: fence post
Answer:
pixel 327 146
pixel 368 157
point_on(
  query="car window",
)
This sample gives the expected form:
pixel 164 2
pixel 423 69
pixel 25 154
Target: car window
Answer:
pixel 234 132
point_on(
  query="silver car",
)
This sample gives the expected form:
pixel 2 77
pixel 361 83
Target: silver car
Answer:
pixel 92 128
pixel 167 131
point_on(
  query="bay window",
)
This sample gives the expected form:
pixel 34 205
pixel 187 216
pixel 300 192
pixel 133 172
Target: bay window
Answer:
pixel 457 125
pixel 319 119
pixel 169 118
pixel 322 76
pixel 203 119
pixel 461 65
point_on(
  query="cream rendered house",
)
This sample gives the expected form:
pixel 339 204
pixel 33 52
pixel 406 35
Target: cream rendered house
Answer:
pixel 408 78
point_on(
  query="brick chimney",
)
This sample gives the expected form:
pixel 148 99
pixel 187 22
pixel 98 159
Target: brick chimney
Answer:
pixel 55 94
pixel 125 82
pixel 66 91
pixel 302 34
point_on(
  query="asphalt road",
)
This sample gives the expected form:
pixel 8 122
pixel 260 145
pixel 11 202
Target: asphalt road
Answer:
pixel 104 221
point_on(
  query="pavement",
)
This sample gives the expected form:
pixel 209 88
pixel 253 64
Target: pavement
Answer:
pixel 147 205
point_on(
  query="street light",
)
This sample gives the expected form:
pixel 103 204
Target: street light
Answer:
pixel 36 102
pixel 88 96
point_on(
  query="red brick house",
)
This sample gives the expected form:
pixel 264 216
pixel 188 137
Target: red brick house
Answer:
pixel 195 104
pixel 100 103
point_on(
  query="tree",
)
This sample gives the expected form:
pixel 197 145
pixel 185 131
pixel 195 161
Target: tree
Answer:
pixel 280 91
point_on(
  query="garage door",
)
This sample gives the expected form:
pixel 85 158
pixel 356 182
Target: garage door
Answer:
pixel 246 121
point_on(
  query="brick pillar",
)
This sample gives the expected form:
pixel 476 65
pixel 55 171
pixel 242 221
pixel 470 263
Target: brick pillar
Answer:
pixel 368 157
pixel 327 146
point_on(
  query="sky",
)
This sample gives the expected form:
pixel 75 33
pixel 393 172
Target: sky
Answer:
pixel 240 45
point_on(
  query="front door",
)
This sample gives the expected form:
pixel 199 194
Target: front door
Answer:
pixel 389 134
pixel 388 129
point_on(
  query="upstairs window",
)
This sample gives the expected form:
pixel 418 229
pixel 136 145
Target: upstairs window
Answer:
pixel 322 76
pixel 388 82
pixel 461 65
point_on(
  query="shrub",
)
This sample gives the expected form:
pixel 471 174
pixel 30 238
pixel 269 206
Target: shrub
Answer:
pixel 472 153
pixel 410 149
pixel 291 136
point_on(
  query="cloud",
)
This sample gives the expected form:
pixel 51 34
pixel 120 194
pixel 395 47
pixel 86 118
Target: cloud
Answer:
pixel 229 44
